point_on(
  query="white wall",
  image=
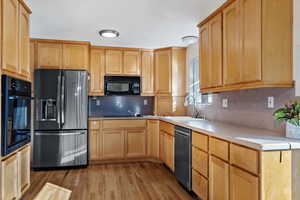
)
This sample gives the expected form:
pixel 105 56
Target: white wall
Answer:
pixel 297 45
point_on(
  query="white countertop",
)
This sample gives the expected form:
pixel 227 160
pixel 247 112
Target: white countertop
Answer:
pixel 259 139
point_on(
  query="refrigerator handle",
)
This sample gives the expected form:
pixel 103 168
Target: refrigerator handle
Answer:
pixel 63 101
pixel 58 103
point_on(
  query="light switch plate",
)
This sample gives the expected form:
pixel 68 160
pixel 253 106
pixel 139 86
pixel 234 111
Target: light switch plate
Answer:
pixel 225 103
pixel 98 103
pixel 145 102
pixel 270 102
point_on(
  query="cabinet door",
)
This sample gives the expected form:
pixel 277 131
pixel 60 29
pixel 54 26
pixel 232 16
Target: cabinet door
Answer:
pixel 200 185
pixel 95 144
pixel 147 73
pixel 24 169
pixel 9 186
pixel 153 138
pixel 24 48
pixel 216 60
pixel 232 44
pixel 218 179
pixel 169 151
pixel 132 63
pixel 243 185
pixel 113 62
pixel 75 56
pixel 251 40
pixel 163 105
pixel 200 161
pixel 204 57
pixel 97 71
pixel 135 143
pixel 10 46
pixel 163 72
pixel 161 146
pixel 49 55
pixel 113 144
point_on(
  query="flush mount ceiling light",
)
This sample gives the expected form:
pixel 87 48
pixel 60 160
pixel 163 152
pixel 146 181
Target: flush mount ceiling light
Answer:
pixel 189 39
pixel 109 33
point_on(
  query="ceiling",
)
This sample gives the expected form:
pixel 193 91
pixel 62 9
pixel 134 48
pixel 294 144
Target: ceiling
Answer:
pixel 141 23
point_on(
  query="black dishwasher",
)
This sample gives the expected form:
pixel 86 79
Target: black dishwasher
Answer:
pixel 183 156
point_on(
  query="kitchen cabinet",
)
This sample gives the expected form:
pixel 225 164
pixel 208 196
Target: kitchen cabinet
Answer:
pixel 219 148
pixel 218 179
pixel 76 56
pixel 49 55
pixel 97 71
pixel 211 53
pixel 95 140
pixel 169 151
pixel 9 174
pixel 163 72
pixel 161 146
pixel 163 105
pixel 200 185
pixel 200 161
pixel 132 63
pixel 243 185
pixel 147 73
pixel 113 144
pixel 15 39
pixel 113 62
pixel 24 48
pixel 24 169
pixel 135 143
pixel 153 138
pixel 253 56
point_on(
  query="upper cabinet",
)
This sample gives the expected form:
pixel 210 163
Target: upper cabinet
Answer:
pixel 256 46
pixel 147 73
pixel 122 62
pixel 163 72
pixel 57 54
pixel 97 71
pixel 15 39
pixel 76 56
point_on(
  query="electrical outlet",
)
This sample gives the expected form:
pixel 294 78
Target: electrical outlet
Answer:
pixel 270 102
pixel 98 103
pixel 225 103
pixel 145 102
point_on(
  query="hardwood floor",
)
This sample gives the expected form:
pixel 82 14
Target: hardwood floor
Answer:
pixel 140 181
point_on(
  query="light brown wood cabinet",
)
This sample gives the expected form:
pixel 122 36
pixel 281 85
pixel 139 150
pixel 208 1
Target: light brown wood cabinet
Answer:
pixel 161 145
pixel 211 53
pixel 15 174
pixel 147 65
pixel 113 144
pixel 131 63
pixel 166 146
pixel 15 39
pixel 200 161
pixel 163 72
pixel 95 140
pixel 75 56
pixel 257 45
pixel 153 138
pixel 49 55
pixel 135 143
pixel 97 71
pixel 218 179
pixel 113 62
pixel 200 185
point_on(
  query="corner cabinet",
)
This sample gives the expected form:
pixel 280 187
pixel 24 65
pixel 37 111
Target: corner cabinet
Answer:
pixel 256 45
pixel 97 71
pixel 147 68
pixel 15 39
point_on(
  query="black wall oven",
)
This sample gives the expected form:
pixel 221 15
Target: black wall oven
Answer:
pixel 122 85
pixel 16 106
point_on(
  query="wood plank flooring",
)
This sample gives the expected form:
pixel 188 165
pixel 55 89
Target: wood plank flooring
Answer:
pixel 134 181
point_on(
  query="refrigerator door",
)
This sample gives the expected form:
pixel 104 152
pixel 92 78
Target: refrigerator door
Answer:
pixel 59 149
pixel 74 105
pixel 47 99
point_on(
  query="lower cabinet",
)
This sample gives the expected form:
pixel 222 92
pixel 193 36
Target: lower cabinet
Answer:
pixel 169 151
pixel 243 185
pixel 161 146
pixel 199 185
pixel 135 143
pixel 153 138
pixel 15 171
pixel 113 144
pixel 218 179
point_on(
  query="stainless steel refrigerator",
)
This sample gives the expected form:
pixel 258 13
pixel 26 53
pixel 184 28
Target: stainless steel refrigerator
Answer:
pixel 61 118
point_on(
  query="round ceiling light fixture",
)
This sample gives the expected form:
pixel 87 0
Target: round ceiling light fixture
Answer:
pixel 109 33
pixel 190 39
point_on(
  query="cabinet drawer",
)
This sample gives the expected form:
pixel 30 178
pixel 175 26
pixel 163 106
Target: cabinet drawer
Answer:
pixel 200 141
pixel 200 161
pixel 244 157
pixel 94 125
pixel 119 124
pixel 219 148
pixel 166 127
pixel 200 185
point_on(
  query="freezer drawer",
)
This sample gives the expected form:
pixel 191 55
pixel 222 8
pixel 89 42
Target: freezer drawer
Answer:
pixel 60 149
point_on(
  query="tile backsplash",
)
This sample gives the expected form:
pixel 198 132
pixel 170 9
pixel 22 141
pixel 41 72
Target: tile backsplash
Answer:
pixel 248 107
pixel 120 106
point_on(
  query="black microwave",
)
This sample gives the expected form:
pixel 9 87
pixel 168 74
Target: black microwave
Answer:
pixel 122 85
